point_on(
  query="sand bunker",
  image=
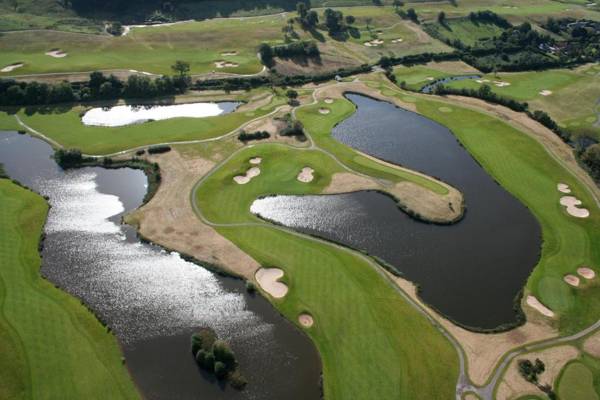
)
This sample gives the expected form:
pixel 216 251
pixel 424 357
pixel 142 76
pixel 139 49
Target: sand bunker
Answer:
pixel 563 188
pixel 586 272
pixel 329 100
pixel 482 80
pixel 306 320
pixel 374 43
pixel 572 203
pixel 324 110
pixel 306 175
pixel 546 92
pixel 398 40
pixel 12 67
pixel 533 302
pixel 226 64
pixel 243 179
pixel 501 84
pixel 571 280
pixel 268 279
pixel 255 160
pixel 56 53
pixel 229 53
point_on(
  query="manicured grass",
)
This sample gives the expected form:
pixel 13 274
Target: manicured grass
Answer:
pixel 415 77
pixel 576 382
pixel 465 30
pixel 65 126
pixel 319 126
pixel 52 347
pixel 573 102
pixel 372 343
pixel 522 166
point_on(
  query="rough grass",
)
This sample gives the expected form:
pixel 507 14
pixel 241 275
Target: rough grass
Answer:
pixel 573 102
pixel 65 127
pixel 52 347
pixel 465 30
pixel 522 166
pixel 372 343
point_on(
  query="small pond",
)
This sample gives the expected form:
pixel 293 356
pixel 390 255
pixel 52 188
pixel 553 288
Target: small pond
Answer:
pixel 132 114
pixel 152 299
pixel 470 271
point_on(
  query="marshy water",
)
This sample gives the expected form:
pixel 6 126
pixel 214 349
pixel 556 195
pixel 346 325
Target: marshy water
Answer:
pixel 136 114
pixel 153 300
pixel 470 271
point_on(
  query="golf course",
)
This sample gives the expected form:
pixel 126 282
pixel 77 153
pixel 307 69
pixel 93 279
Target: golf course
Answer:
pixel 321 200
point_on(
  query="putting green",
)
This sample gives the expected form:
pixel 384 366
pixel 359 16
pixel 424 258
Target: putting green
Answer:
pixel 577 383
pixel 52 347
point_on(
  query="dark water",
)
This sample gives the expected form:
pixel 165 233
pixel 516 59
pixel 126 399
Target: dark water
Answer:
pixel 470 271
pixel 154 300
pixel 430 87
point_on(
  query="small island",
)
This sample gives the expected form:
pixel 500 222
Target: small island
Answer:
pixel 216 357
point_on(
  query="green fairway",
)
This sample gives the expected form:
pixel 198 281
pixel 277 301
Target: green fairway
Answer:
pixel 573 101
pixel 52 347
pixel 464 30
pixel 387 349
pixel 576 382
pixel 522 166
pixel 65 127
pixel 415 77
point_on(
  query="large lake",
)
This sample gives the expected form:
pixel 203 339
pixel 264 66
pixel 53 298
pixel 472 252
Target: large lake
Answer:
pixel 129 114
pixel 470 271
pixel 153 300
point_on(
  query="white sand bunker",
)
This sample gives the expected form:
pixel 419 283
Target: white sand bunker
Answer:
pixel 533 302
pixel 563 188
pixel 226 64
pixel 12 67
pixel 571 280
pixel 229 53
pixel 374 43
pixel 482 80
pixel 586 272
pixel 501 84
pixel 398 40
pixel 243 179
pixel 306 320
pixel 56 53
pixel 329 100
pixel 268 279
pixel 306 175
pixel 546 92
pixel 572 203
pixel 324 110
pixel 255 160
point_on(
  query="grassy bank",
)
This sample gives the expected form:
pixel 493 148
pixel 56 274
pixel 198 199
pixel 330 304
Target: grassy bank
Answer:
pixel 53 347
pixel 372 343
pixel 523 167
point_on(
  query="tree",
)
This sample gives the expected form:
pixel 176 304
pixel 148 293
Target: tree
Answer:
pixel 224 354
pixel 220 370
pixel 292 94
pixel 350 19
pixel 397 4
pixel 412 15
pixel 441 18
pixel 302 10
pixel 591 158
pixel 266 54
pixel 181 67
pixel 15 95
pixel 312 18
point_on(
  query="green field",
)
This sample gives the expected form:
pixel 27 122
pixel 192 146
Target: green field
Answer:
pixel 573 103
pixel 417 76
pixel 65 127
pixel 576 380
pixel 361 322
pixel 522 166
pixel 464 30
pixel 52 347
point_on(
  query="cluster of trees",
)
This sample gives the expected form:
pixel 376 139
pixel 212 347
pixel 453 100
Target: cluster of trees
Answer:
pixel 489 17
pixel 159 149
pixel 591 158
pixel 258 135
pixel 99 87
pixel 409 14
pixel 530 371
pixel 582 39
pixel 307 18
pixel 293 127
pixel 216 357
pixel 68 158
pixel 302 48
pixel 336 23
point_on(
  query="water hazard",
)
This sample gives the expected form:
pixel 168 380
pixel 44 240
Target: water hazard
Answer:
pixel 471 271
pixel 136 114
pixel 153 300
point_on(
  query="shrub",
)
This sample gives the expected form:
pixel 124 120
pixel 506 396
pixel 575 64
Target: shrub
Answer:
pixel 209 362
pixel 201 357
pixel 159 149
pixel 224 354
pixel 220 370
pixel 68 158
